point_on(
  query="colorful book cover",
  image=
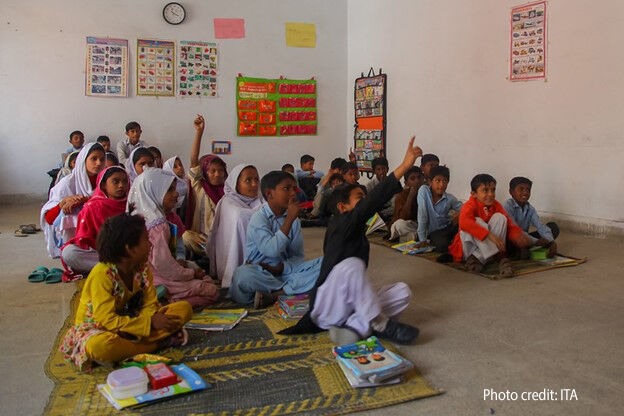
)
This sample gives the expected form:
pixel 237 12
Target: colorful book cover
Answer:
pixel 359 383
pixel 369 358
pixel 413 247
pixel 216 319
pixel 190 381
pixel 374 223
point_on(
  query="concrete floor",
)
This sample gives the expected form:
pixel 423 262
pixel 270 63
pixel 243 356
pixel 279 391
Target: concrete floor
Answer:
pixel 553 330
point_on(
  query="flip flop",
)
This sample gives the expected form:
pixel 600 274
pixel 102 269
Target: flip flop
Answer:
pixel 28 229
pixel 20 233
pixel 54 276
pixel 38 275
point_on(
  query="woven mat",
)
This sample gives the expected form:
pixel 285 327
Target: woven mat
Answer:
pixel 252 370
pixel 520 267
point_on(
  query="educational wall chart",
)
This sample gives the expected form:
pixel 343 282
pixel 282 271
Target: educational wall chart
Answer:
pixel 370 119
pixel 275 107
pixel 155 67
pixel 197 69
pixel 106 74
pixel 527 48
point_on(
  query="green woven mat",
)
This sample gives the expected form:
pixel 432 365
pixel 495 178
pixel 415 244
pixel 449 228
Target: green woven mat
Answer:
pixel 520 267
pixel 252 370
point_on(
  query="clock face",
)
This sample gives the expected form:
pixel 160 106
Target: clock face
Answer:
pixel 174 13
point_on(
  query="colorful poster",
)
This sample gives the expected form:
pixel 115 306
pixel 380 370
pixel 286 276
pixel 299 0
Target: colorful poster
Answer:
pixel 370 119
pixel 221 147
pixel 107 67
pixel 197 69
pixel 301 35
pixel 527 49
pixel 276 107
pixel 229 28
pixel 155 67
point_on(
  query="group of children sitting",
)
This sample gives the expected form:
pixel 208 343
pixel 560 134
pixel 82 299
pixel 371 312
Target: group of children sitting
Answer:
pixel 135 224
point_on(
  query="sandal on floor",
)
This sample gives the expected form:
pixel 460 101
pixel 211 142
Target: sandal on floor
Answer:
pixel 505 269
pixel 55 275
pixel 474 265
pixel 38 275
pixel 28 228
pixel 19 233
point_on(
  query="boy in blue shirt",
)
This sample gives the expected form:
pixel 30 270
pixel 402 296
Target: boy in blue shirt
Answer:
pixel 525 215
pixel 76 139
pixel 435 220
pixel 274 255
pixel 307 168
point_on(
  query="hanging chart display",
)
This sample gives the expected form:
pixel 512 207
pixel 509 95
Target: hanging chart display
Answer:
pixel 275 107
pixel 527 49
pixel 106 74
pixel 370 119
pixel 155 67
pixel 197 69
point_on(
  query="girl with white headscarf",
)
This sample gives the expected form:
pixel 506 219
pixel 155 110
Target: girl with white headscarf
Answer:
pixel 153 195
pixel 139 159
pixel 59 216
pixel 182 186
pixel 232 215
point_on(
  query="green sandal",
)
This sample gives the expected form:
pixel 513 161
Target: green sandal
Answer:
pixel 38 275
pixel 54 276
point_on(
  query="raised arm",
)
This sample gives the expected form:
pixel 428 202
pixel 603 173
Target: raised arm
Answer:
pixel 199 125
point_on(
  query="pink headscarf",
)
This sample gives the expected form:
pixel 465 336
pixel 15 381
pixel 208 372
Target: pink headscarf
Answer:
pixel 214 192
pixel 95 211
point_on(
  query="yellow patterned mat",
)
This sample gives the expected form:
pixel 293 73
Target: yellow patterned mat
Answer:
pixel 252 370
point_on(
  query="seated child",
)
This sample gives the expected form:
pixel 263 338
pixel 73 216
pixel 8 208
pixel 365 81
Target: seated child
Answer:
pixel 428 162
pixel 174 165
pixel 118 315
pixel 76 139
pixel 207 176
pixel 68 166
pixel 484 228
pixel 324 211
pixel 338 166
pixel 131 142
pixel 404 225
pixel 307 168
pixel 436 222
pixel 301 196
pixel 343 299
pixel 274 248
pixel 380 168
pixel 109 199
pixel 153 195
pixel 139 159
pixel 59 216
pixel 158 162
pixel 524 214
pixel 352 174
pixel 229 229
pixel 111 160
pixel 104 141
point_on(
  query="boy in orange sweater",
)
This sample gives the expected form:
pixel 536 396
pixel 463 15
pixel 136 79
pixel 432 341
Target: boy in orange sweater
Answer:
pixel 484 228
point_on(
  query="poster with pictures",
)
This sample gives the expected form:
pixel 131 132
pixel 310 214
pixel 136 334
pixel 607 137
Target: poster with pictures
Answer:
pixel 197 69
pixel 155 67
pixel 370 119
pixel 107 67
pixel 276 107
pixel 527 49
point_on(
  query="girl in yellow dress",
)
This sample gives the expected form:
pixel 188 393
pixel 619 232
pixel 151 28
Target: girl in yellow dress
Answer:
pixel 119 315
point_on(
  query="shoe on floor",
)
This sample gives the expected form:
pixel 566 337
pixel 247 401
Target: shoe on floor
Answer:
pixel 398 332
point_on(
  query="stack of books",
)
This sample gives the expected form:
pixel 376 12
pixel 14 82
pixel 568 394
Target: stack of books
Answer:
pixel 368 363
pixel 292 307
pixel 216 319
pixel 413 247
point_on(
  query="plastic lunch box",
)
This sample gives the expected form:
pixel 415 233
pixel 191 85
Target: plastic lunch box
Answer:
pixel 127 382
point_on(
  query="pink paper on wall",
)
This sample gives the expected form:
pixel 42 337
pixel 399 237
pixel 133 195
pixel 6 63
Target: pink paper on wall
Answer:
pixel 229 28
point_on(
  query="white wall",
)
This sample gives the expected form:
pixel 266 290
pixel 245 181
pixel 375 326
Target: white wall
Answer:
pixel 42 64
pixel 447 62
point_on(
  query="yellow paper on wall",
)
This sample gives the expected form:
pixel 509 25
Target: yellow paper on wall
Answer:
pixel 301 35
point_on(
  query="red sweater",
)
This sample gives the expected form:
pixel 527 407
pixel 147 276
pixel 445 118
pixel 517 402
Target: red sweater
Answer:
pixel 52 213
pixel 468 215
